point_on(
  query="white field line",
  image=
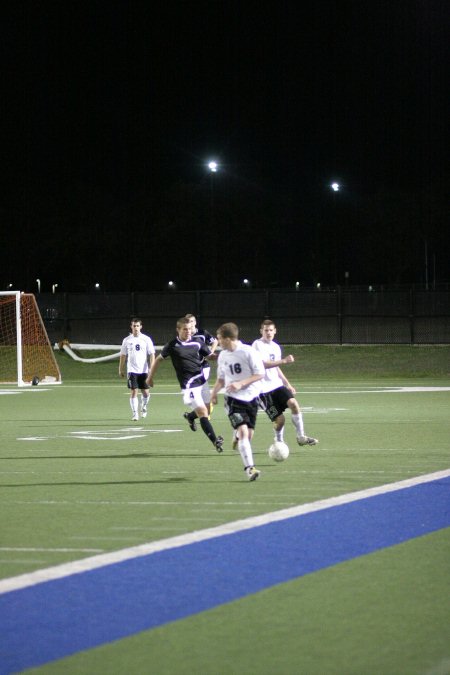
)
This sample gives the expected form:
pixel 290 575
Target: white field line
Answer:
pixel 94 562
pixel 51 550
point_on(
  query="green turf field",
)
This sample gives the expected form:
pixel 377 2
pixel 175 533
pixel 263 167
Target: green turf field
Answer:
pixel 79 478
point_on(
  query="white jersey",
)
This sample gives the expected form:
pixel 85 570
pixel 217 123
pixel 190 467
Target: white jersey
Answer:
pixel 269 351
pixel 137 350
pixel 238 365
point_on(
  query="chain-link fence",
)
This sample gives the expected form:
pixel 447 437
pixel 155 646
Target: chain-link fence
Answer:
pixel 336 316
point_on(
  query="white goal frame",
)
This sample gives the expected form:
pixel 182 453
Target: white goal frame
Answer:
pixel 19 351
pixel 20 382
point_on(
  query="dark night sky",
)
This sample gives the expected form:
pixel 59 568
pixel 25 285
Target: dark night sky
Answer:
pixel 110 110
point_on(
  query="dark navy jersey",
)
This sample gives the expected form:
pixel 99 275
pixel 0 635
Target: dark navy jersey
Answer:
pixel 187 358
pixel 206 338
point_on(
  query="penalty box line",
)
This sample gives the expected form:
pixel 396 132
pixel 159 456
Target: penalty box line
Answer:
pixel 113 557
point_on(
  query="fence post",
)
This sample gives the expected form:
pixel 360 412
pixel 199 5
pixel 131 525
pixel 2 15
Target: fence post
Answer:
pixel 412 305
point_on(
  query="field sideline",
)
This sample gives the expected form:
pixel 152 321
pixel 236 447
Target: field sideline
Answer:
pixel 79 480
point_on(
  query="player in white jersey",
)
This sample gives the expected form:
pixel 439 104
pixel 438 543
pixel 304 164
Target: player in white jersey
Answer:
pixel 138 352
pixel 240 370
pixel 277 392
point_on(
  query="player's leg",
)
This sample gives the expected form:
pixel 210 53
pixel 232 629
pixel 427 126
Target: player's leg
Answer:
pixel 278 426
pixel 242 417
pixel 145 395
pixel 193 398
pixel 274 404
pixel 134 401
pixel 297 421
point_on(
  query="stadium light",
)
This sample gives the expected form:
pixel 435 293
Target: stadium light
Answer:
pixel 54 287
pixel 97 286
pixel 38 281
pixel 171 285
pixel 335 187
pixel 10 285
pixel 297 285
pixel 246 283
pixel 213 166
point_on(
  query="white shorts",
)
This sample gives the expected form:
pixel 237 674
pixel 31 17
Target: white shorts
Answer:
pixel 194 397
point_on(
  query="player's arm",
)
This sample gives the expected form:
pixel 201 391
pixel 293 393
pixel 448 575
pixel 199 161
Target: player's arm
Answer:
pixel 242 384
pixel 215 390
pixel 122 360
pixel 286 381
pixel 154 367
pixel 213 346
pixel 279 362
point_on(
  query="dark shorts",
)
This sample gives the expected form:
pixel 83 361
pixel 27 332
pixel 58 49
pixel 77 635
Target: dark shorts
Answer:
pixel 241 412
pixel 274 403
pixel 137 381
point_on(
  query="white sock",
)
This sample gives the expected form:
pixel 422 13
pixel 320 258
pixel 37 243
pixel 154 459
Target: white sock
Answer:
pixel 245 450
pixel 279 435
pixel 134 405
pixel 144 401
pixel 297 421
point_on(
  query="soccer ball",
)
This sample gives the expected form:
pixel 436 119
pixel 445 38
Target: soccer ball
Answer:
pixel 35 381
pixel 278 451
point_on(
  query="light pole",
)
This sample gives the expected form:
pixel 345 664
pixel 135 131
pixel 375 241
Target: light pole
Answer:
pixel 213 167
pixel 38 281
pixel 335 187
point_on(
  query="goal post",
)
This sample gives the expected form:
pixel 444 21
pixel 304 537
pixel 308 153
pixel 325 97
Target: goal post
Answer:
pixel 26 354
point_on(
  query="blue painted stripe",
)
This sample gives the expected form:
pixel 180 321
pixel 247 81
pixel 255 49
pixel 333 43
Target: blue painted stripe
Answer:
pixel 61 617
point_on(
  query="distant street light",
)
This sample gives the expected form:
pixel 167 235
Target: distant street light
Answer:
pixel 171 285
pixel 213 166
pixel 38 281
pixel 335 187
pixel 97 286
pixel 54 287
pixel 10 285
pixel 246 283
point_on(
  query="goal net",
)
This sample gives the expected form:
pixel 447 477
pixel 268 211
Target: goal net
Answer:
pixel 25 350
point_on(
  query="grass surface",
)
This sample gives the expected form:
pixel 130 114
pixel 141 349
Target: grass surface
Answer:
pixel 78 478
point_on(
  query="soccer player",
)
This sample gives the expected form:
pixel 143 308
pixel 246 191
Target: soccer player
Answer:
pixel 187 356
pixel 277 393
pixel 240 370
pixel 138 352
pixel 200 334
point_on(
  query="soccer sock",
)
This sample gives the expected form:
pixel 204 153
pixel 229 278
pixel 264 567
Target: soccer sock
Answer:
pixel 192 416
pixel 144 402
pixel 297 421
pixel 134 404
pixel 207 428
pixel 279 434
pixel 245 450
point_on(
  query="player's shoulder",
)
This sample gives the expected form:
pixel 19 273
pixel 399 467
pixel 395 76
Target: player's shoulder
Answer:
pixel 246 348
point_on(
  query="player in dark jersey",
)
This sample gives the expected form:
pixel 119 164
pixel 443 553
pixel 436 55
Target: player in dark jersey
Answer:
pixel 187 356
pixel 201 335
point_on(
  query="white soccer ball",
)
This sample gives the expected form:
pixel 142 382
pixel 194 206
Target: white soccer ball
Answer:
pixel 278 451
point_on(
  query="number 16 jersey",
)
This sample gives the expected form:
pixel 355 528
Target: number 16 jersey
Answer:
pixel 234 366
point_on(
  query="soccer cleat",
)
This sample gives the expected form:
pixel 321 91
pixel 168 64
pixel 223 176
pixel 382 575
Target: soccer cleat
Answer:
pixel 307 440
pixel 235 442
pixel 218 444
pixel 252 472
pixel 144 412
pixel 189 421
pixel 135 418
